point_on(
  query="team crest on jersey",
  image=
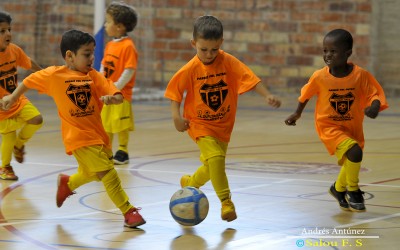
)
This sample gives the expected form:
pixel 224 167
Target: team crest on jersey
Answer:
pixel 342 103
pixel 80 95
pixel 109 68
pixel 214 95
pixel 10 82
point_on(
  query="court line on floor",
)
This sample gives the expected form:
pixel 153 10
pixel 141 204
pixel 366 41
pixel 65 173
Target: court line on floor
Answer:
pixel 369 220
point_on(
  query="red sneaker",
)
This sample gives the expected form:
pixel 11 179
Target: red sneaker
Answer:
pixel 63 191
pixel 19 154
pixel 7 173
pixel 133 218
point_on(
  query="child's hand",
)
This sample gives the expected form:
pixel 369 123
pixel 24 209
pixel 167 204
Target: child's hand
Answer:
pixel 291 120
pixel 273 101
pixel 181 124
pixel 111 99
pixel 373 110
pixel 6 102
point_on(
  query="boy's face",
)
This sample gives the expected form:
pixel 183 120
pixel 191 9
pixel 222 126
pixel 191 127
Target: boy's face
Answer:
pixel 5 35
pixel 207 50
pixel 335 54
pixel 112 29
pixel 82 61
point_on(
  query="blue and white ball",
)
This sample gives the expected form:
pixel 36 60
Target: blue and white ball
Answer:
pixel 189 206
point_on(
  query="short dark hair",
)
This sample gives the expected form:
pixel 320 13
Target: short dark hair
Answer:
pixel 123 14
pixel 208 27
pixel 73 39
pixel 5 17
pixel 342 36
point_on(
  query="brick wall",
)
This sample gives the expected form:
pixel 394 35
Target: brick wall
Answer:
pixel 279 39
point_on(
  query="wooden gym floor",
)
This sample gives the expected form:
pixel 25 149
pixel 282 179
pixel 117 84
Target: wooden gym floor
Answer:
pixel 279 177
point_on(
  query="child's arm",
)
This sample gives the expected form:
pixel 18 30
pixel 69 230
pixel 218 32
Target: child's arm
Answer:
pixel 269 98
pixel 373 110
pixel 125 77
pixel 112 99
pixel 291 120
pixel 9 100
pixel 34 66
pixel 181 124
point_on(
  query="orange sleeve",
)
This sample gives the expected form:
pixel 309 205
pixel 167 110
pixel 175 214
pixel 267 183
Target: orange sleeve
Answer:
pixel 375 92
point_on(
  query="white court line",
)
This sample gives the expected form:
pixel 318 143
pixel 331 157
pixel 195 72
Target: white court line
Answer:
pixel 230 175
pixel 116 209
pixel 320 236
pixel 233 190
pixel 369 220
pixel 257 242
pixel 257 177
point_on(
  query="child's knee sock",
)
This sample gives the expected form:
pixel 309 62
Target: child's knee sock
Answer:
pixel 78 179
pixel 200 177
pixel 26 133
pixel 341 181
pixel 218 177
pixel 7 147
pixel 352 173
pixel 123 138
pixel 112 184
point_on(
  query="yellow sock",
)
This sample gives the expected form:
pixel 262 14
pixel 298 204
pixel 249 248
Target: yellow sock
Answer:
pixel 123 138
pixel 112 184
pixel 341 181
pixel 352 173
pixel 218 177
pixel 78 179
pixel 7 147
pixel 200 177
pixel 26 133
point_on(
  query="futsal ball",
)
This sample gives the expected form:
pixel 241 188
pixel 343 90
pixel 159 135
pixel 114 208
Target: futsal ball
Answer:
pixel 188 206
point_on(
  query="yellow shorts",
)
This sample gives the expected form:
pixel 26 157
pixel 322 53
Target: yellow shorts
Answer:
pixel 117 118
pixel 16 122
pixel 342 148
pixel 93 159
pixel 210 147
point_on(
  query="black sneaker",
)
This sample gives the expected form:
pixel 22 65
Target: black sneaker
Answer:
pixel 356 200
pixel 340 197
pixel 121 157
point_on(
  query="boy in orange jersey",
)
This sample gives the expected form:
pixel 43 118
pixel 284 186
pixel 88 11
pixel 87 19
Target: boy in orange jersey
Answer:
pixel 23 115
pixel 79 93
pixel 212 81
pixel 345 92
pixel 119 65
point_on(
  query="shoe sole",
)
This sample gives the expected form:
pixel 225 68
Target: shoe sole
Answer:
pixel 229 216
pixel 343 208
pixel 58 187
pixel 120 162
pixel 9 179
pixel 135 225
pixel 356 210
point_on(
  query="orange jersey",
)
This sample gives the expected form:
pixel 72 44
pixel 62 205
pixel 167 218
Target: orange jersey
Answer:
pixel 10 59
pixel 77 97
pixel 212 93
pixel 118 56
pixel 339 111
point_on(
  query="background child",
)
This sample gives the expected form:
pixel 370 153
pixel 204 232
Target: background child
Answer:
pixel 119 65
pixel 212 81
pixel 344 93
pixel 23 114
pixel 78 92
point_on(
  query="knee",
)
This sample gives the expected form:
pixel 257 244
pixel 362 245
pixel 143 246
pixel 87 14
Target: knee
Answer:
pixel 37 120
pixel 101 174
pixel 355 153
